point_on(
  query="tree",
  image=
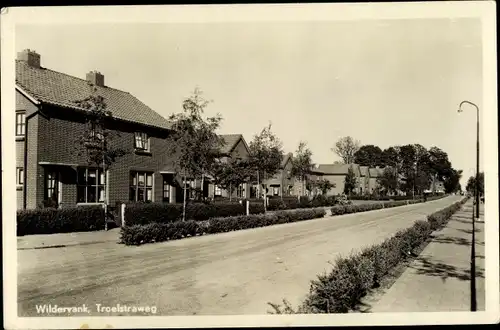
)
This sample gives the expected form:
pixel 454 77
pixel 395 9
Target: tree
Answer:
pixel 471 184
pixel 368 155
pixel 452 181
pixel 389 180
pixel 407 155
pixel 195 145
pixel 229 175
pixel 349 182
pixel 345 148
pixel 266 155
pixel 392 158
pixel 324 186
pixel 302 163
pixel 95 142
pixel 439 163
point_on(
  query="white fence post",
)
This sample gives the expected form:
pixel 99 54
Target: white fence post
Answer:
pixel 123 214
pixel 248 207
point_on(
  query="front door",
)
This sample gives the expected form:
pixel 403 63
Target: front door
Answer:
pixel 53 187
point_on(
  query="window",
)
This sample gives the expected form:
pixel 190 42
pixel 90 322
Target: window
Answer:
pixel 90 185
pixel 240 192
pixel 95 135
pixel 218 191
pixel 275 191
pixel 166 191
pixel 190 187
pixel 20 123
pixel 141 186
pixel 51 185
pixel 141 141
pixel 19 176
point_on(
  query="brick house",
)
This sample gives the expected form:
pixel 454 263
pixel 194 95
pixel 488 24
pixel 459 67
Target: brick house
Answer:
pixel 48 124
pixel 336 173
pixel 374 174
pixel 282 183
pixel 234 147
pixel 364 180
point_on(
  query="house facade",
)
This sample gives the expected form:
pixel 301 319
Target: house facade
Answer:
pixel 234 146
pixel 374 174
pixel 336 174
pixel 52 164
pixel 282 183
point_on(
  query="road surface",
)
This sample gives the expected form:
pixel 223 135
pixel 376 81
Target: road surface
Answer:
pixel 230 273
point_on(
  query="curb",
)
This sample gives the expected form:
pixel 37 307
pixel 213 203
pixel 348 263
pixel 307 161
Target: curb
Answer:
pixel 63 245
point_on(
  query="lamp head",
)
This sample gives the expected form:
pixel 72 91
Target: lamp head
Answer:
pixel 459 110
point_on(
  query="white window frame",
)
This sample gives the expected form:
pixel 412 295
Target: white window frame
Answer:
pixel 134 175
pixel 19 176
pixel 218 191
pixel 98 186
pixel 167 190
pixel 20 123
pixel 141 141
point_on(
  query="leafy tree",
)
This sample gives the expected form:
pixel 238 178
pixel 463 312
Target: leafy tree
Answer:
pixel 302 163
pixel 392 158
pixel 368 155
pixel 266 155
pixel 229 175
pixel 452 180
pixel 95 142
pixel 439 163
pixel 349 182
pixel 325 186
pixel 389 180
pixel 345 148
pixel 472 182
pixel 195 144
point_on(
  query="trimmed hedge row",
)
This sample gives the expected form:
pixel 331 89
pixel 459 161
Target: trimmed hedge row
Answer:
pixel 346 209
pixel 144 213
pixel 352 277
pixel 387 198
pixel 65 220
pixel 159 232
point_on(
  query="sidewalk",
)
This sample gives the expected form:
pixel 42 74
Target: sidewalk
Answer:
pixel 70 239
pixel 439 279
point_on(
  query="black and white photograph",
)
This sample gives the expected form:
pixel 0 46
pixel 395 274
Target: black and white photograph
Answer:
pixel 250 165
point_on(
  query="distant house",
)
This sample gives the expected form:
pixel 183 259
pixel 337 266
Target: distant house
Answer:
pixel 374 174
pixel 282 183
pixel 364 180
pixel 336 173
pixel 234 146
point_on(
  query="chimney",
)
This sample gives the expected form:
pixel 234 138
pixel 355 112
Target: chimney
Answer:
pixel 95 78
pixel 30 57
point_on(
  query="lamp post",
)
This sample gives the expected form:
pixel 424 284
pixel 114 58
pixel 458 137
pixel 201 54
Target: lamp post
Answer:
pixel 477 155
pixel 476 188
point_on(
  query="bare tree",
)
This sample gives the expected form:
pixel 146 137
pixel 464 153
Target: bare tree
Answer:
pixel 345 148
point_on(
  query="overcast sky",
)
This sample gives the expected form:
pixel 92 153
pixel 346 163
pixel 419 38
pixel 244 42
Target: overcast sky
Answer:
pixel 386 83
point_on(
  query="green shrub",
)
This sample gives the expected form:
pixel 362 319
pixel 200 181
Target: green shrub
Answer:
pixel 159 232
pixel 65 220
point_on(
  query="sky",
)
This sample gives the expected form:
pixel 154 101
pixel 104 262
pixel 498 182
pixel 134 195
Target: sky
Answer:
pixel 383 82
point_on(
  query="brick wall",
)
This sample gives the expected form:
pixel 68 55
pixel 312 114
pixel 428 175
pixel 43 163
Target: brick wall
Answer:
pixel 58 143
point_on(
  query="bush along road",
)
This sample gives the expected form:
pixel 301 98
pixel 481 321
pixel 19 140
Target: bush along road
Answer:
pixel 156 224
pixel 352 277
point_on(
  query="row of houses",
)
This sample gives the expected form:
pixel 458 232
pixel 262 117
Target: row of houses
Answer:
pixel 50 165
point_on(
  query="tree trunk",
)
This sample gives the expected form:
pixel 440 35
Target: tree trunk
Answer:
pixel 230 192
pixel 258 185
pixel 184 202
pixel 105 195
pixel 202 186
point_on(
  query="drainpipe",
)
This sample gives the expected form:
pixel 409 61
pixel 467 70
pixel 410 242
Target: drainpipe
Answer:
pixel 25 165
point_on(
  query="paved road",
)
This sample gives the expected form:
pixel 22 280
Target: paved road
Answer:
pixel 231 273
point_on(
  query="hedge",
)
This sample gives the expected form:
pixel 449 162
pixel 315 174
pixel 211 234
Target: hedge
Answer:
pixel 346 209
pixel 387 198
pixel 65 220
pixel 352 277
pixel 159 232
pixel 144 213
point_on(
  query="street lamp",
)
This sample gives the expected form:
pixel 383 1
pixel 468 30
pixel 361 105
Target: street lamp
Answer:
pixel 473 245
pixel 477 155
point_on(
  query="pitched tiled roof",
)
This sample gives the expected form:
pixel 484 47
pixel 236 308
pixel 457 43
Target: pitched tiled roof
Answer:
pixel 338 169
pixel 229 142
pixel 286 158
pixel 63 90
